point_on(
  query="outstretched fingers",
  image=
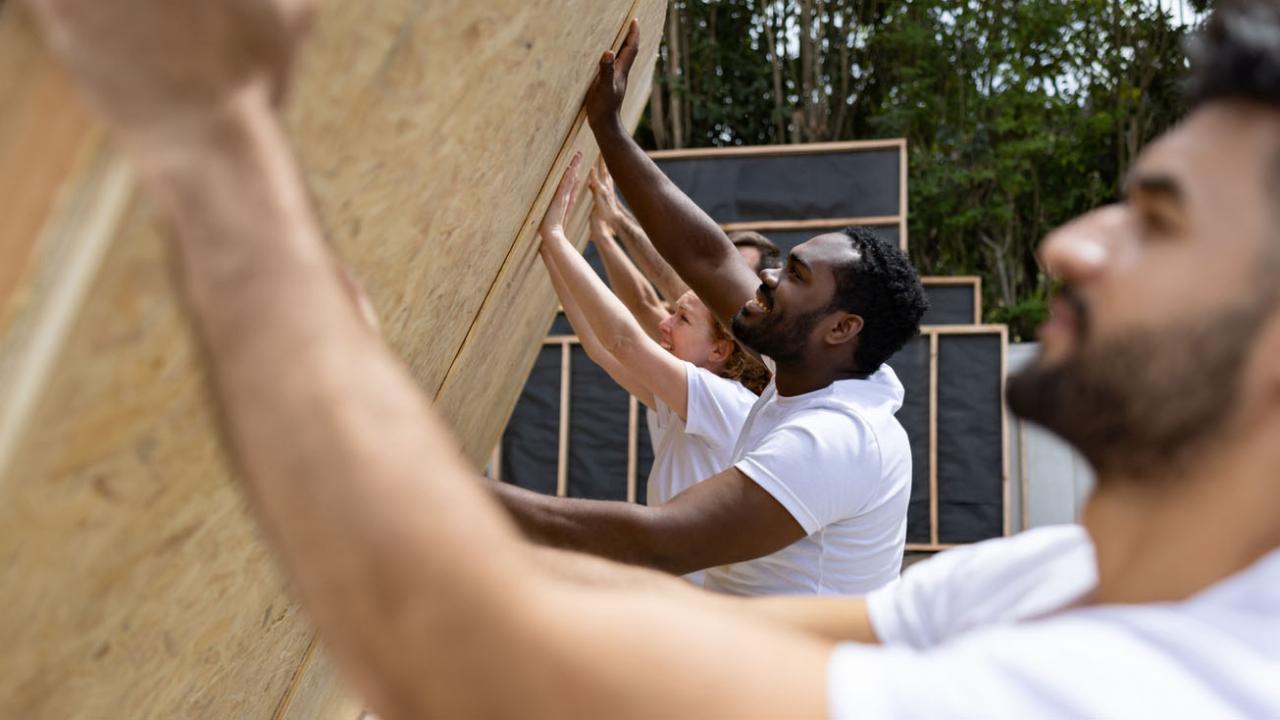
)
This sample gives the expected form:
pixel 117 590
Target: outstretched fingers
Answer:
pixel 569 184
pixel 562 201
pixel 630 48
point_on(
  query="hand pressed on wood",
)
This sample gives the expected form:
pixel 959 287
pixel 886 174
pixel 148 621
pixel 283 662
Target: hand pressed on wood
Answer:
pixel 604 199
pixel 601 225
pixel 553 221
pixel 148 64
pixel 604 99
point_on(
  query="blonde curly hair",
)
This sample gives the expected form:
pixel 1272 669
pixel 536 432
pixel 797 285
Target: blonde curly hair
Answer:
pixel 741 365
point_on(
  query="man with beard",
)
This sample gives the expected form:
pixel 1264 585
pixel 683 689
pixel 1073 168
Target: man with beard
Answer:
pixel 1163 605
pixel 814 500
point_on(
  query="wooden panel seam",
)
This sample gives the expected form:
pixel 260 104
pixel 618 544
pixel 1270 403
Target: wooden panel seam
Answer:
pixel 79 241
pixel 551 179
pixel 771 150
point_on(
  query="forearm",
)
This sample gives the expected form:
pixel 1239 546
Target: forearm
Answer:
pixel 631 287
pixel 637 243
pixel 596 572
pixel 329 432
pixel 623 532
pixel 587 337
pixel 686 237
pixel 614 326
pixel 836 619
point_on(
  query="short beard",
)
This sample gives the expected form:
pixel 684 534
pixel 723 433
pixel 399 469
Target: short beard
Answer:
pixel 1141 405
pixel 781 339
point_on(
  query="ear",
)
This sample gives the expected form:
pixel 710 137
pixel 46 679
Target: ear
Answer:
pixel 721 350
pixel 844 328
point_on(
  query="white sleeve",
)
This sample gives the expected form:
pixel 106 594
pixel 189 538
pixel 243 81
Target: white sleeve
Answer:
pixel 1087 664
pixel 821 466
pixel 985 584
pixel 716 408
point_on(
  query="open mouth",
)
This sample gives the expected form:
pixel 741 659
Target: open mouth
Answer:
pixel 762 302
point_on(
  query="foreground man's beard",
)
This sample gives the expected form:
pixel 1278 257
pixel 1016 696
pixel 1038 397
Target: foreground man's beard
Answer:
pixel 1136 406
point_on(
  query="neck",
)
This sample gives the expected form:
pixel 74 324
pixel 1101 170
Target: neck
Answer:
pixel 801 377
pixel 1164 539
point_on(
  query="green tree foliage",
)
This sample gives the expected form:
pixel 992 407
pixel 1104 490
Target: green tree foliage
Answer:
pixel 1019 114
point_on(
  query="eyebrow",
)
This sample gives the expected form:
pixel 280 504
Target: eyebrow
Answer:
pixel 793 257
pixel 1157 185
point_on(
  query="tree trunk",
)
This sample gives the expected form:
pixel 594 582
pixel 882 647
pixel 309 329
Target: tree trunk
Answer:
pixel 807 61
pixel 658 115
pixel 776 65
pixel 675 64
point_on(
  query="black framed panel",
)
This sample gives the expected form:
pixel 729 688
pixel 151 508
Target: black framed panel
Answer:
pixel 971 462
pixel 598 425
pixel 911 364
pixel 530 443
pixel 952 301
pixel 774 184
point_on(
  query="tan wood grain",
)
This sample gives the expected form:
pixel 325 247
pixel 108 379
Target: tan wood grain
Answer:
pixel 133 579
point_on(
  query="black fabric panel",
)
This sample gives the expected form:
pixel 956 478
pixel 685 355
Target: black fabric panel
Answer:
pixel 530 445
pixel 970 469
pixel 788 239
pixel 598 422
pixel 644 457
pixel 912 366
pixel 736 188
pixel 949 305
pixel 560 325
pixel 593 259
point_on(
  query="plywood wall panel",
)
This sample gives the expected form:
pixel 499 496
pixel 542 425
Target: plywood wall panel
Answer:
pixel 133 580
pixel 520 307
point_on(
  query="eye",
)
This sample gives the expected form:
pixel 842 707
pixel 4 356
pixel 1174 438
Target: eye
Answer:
pixel 1156 223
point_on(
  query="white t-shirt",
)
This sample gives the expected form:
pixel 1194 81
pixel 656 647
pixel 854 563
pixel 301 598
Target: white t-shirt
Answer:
pixel 962 643
pixel 994 582
pixel 838 460
pixel 686 452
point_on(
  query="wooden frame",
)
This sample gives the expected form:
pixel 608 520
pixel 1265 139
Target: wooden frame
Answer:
pixel 933 332
pixel 810 149
pixel 831 225
pixel 566 342
pixel 948 280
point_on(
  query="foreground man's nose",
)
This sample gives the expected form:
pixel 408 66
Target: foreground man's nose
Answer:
pixel 1079 250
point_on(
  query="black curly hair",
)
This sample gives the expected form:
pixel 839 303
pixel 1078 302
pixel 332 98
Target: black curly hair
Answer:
pixel 882 287
pixel 1237 54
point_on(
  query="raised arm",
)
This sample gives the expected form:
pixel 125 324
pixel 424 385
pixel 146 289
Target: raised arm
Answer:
pixel 686 236
pixel 414 576
pixel 631 287
pixel 647 363
pixel 631 235
pixel 597 352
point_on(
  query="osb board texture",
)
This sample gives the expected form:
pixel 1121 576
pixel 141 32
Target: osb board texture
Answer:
pixel 133 581
pixel 496 357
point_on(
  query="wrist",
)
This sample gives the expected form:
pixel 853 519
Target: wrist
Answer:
pixel 607 127
pixel 235 196
pixel 186 142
